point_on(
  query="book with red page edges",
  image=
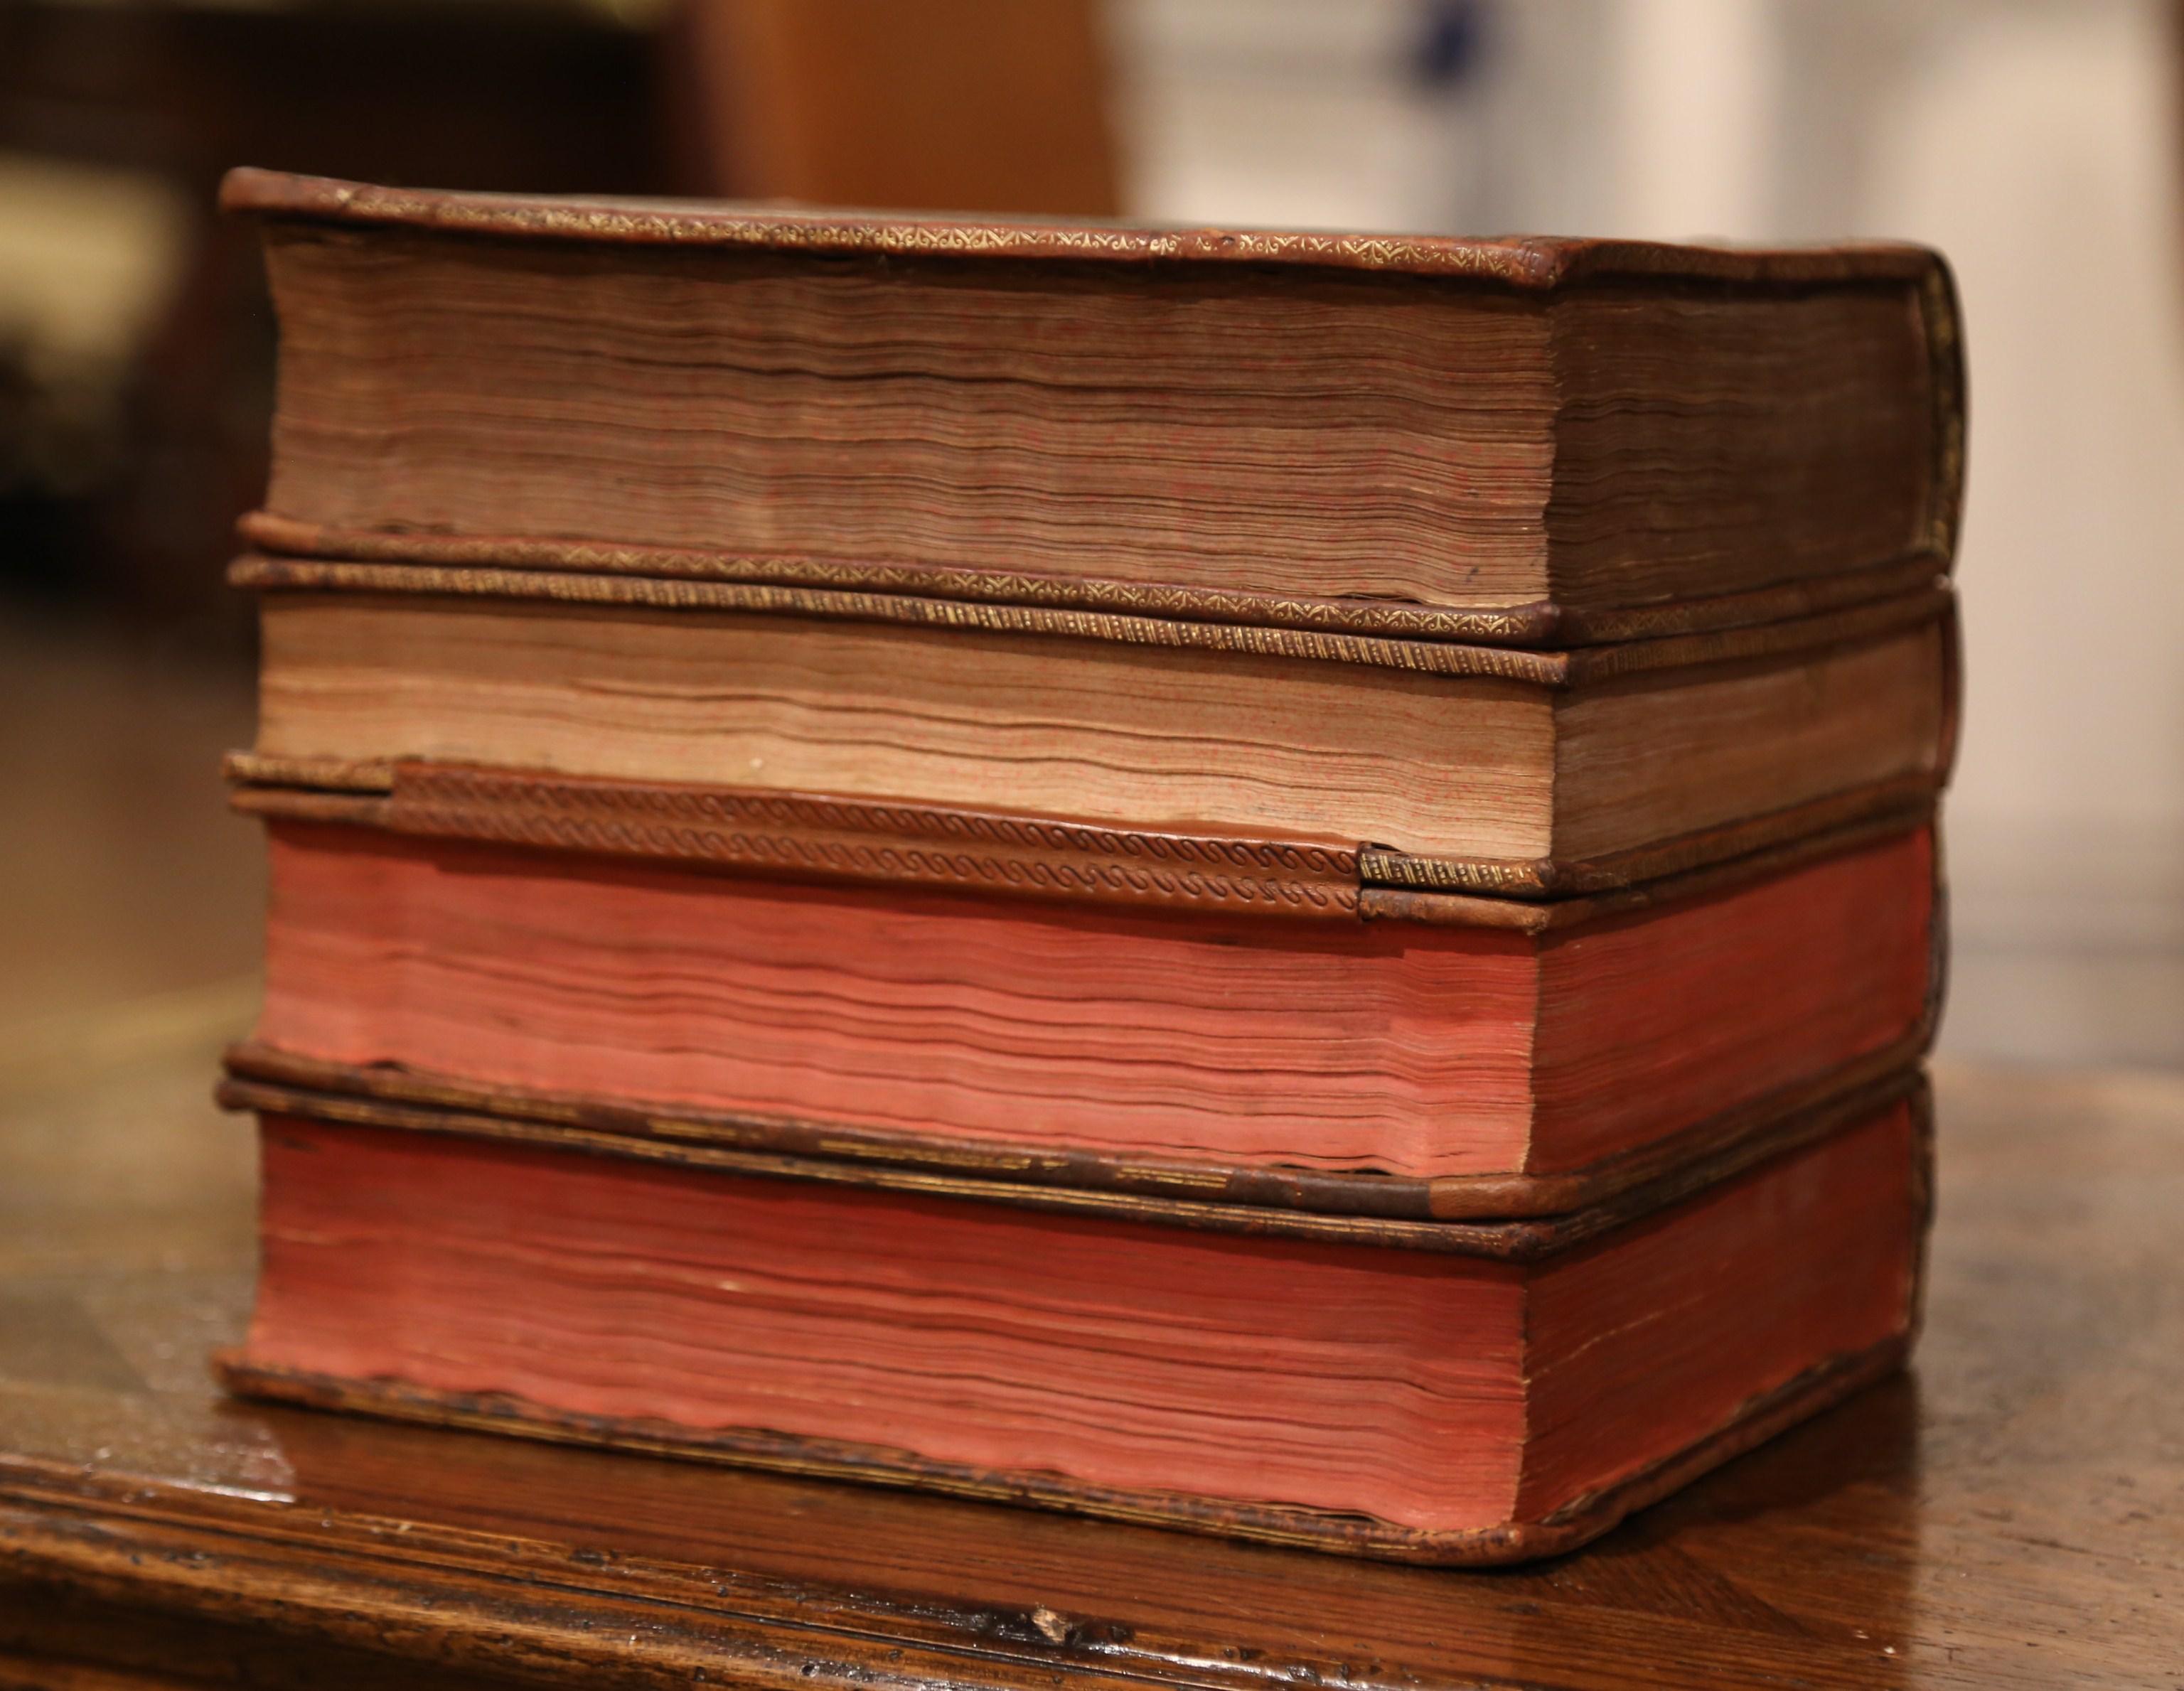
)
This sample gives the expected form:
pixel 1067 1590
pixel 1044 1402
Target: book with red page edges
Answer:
pixel 1185 1016
pixel 1430 1391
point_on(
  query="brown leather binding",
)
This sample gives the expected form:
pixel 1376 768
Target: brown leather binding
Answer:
pixel 1707 1150
pixel 1945 354
pixel 1536 265
pixel 1843 626
pixel 1530 262
pixel 1093 1184
pixel 1752 837
pixel 811 837
pixel 1540 624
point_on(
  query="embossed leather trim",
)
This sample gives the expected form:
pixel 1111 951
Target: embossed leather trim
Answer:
pixel 1578 667
pixel 1536 625
pixel 811 836
pixel 1532 262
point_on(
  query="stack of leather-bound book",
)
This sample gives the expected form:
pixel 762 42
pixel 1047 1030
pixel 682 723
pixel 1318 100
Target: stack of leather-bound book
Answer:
pixel 1281 883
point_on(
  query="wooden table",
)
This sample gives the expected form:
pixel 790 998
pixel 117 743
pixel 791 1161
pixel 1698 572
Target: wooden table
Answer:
pixel 2010 1515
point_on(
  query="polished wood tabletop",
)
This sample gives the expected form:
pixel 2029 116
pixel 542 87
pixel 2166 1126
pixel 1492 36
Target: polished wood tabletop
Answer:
pixel 2011 1513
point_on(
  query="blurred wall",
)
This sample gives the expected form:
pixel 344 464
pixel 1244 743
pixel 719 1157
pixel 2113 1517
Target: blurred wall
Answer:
pixel 2036 142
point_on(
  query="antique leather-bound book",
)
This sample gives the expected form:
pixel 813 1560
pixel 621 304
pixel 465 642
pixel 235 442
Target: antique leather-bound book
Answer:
pixel 1435 1391
pixel 1186 1016
pixel 1520 441
pixel 1449 765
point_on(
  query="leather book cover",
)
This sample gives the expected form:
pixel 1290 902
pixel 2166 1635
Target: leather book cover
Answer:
pixel 1389 436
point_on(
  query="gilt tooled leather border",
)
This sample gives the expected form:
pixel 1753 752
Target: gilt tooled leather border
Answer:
pixel 1576 1523
pixel 1542 624
pixel 762 832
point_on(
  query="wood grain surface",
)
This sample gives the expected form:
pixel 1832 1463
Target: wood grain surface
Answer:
pixel 2006 1515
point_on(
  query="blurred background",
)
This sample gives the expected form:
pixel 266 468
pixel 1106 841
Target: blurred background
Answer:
pixel 2038 142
